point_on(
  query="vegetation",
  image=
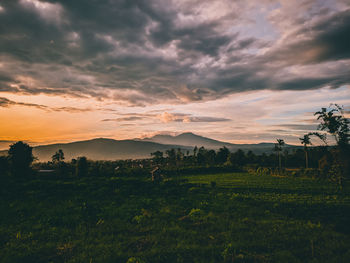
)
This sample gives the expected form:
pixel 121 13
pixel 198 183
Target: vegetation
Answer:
pixel 20 158
pixel 210 206
pixel 194 218
pixel 278 148
pixel 306 141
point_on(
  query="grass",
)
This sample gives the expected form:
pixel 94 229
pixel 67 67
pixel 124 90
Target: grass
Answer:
pixel 241 218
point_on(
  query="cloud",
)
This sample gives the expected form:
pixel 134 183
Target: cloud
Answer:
pixel 4 102
pixel 298 127
pixel 148 52
pixel 164 117
pixel 131 118
pixel 51 13
pixel 323 40
pixel 167 117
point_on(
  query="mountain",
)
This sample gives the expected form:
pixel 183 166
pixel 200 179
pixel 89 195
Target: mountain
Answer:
pixel 103 149
pixel 188 139
pixel 192 140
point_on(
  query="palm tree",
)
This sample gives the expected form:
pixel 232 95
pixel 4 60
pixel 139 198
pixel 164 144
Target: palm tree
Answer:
pixel 306 141
pixel 278 149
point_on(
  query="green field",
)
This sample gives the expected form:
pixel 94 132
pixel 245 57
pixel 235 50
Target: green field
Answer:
pixel 239 218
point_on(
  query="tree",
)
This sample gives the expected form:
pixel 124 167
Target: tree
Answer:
pixel 210 157
pixel 58 156
pixel 237 158
pixel 306 141
pixel 20 157
pixel 251 157
pixel 195 150
pixel 334 122
pixel 201 156
pixel 57 159
pixel 222 155
pixel 157 157
pixel 179 156
pixel 171 154
pixel 278 149
pixel 81 167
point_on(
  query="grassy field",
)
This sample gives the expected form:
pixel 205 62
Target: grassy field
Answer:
pixel 200 218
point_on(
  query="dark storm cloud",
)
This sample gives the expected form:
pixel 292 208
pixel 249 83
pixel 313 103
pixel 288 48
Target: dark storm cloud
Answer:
pixel 147 52
pixel 314 83
pixel 201 38
pixel 326 40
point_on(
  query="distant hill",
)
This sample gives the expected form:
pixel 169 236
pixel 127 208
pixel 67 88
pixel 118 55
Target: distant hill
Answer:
pixel 188 139
pixel 103 149
pixel 4 144
pixel 191 139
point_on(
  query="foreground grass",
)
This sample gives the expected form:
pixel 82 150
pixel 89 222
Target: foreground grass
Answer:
pixel 244 218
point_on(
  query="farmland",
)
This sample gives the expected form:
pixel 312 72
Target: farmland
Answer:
pixel 234 217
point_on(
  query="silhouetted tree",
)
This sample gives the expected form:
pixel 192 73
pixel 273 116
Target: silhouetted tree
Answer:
pixel 251 157
pixel 334 122
pixel 237 158
pixel 179 156
pixel 58 156
pixel 201 155
pixel 306 141
pixel 195 150
pixel 21 157
pixel 81 167
pixel 171 155
pixel 58 161
pixel 222 155
pixel 210 157
pixel 278 149
pixel 157 156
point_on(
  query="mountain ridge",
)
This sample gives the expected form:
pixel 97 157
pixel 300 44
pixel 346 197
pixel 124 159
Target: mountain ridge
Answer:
pixel 111 149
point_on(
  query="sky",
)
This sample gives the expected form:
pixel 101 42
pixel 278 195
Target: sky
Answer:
pixel 239 71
